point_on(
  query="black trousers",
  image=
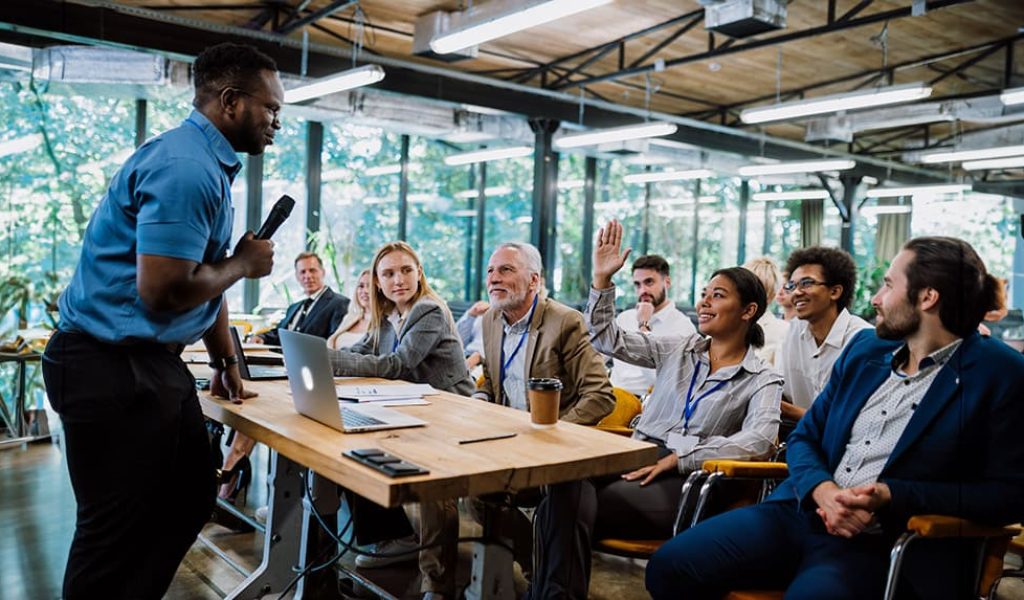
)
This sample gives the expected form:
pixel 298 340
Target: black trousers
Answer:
pixel 573 514
pixel 139 460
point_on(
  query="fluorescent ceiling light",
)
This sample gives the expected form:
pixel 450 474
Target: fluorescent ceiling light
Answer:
pixel 869 180
pixel 468 212
pixel 897 209
pixel 498 190
pixel 791 195
pixel 806 166
pixel 615 134
pixel 499 18
pixel 572 184
pixel 895 192
pixel 524 219
pixel 466 158
pixel 383 170
pixel 22 144
pixel 668 176
pixel 420 197
pixel 996 163
pixel 469 137
pixel 985 153
pixel 781 212
pixel 1011 97
pixel 835 103
pixel 353 78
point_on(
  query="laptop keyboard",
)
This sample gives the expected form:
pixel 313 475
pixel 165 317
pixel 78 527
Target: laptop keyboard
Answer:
pixel 352 418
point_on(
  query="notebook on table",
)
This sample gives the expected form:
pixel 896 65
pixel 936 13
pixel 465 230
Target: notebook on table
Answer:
pixel 312 383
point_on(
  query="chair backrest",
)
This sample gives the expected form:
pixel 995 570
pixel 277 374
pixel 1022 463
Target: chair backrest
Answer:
pixel 627 406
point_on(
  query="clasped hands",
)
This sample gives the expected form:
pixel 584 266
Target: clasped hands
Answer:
pixel 847 512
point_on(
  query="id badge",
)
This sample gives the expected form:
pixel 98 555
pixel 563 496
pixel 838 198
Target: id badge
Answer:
pixel 681 444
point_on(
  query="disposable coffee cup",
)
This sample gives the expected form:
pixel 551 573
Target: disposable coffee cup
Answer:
pixel 544 395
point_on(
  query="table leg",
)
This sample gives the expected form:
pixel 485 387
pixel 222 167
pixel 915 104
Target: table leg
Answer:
pixel 491 572
pixel 293 535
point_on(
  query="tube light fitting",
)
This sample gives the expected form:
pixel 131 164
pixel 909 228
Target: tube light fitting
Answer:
pixel 615 134
pixel 1011 97
pixel 466 158
pixel 962 155
pixel 791 195
pixel 1013 162
pixel 22 144
pixel 383 170
pixel 668 176
pixel 346 80
pixel 897 209
pixel 807 166
pixel 499 18
pixel 896 192
pixel 835 103
pixel 498 190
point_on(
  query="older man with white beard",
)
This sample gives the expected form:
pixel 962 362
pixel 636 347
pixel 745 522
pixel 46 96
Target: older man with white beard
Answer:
pixel 527 334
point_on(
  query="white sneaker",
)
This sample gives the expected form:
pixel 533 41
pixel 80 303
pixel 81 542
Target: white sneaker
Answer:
pixel 397 551
pixel 261 514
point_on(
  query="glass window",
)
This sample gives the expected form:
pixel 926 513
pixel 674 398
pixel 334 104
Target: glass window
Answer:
pixel 570 285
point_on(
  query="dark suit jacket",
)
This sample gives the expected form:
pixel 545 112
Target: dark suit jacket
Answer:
pixel 961 453
pixel 322 320
pixel 558 346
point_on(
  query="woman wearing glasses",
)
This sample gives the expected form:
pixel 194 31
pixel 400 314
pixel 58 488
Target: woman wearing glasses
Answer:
pixel 712 398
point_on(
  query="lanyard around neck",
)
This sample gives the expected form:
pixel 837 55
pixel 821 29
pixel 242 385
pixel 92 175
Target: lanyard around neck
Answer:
pixel 691 404
pixel 505 364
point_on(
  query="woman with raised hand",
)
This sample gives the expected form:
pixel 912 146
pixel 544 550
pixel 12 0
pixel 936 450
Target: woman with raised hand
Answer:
pixel 411 336
pixel 712 398
pixel 357 319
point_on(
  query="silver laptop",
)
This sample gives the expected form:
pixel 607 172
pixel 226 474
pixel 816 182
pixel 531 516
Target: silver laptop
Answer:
pixel 312 382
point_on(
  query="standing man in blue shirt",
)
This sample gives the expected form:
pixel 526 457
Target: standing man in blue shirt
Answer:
pixel 151 279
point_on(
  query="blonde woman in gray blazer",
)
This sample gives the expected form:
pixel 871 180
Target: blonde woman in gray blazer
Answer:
pixel 411 336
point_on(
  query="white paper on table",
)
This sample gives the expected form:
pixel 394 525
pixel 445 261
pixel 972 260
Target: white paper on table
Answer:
pixel 376 393
pixel 391 402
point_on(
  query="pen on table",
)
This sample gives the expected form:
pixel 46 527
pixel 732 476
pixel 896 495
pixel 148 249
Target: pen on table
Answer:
pixel 500 436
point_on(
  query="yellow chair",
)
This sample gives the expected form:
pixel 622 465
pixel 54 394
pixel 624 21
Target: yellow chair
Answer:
pixel 244 327
pixel 627 406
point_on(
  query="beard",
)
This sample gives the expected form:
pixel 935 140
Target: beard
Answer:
pixel 511 301
pixel 898 324
pixel 656 300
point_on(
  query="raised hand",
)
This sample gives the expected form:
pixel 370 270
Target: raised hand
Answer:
pixel 608 257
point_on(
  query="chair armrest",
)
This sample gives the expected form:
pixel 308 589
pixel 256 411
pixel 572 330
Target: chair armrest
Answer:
pixel 746 468
pixel 942 526
pixel 616 429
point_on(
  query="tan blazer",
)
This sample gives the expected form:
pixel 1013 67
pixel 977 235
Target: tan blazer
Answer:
pixel 558 346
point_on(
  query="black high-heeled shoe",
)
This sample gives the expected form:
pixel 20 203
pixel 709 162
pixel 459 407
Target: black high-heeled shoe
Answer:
pixel 238 478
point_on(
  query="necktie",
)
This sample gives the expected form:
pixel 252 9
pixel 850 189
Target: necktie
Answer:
pixel 303 312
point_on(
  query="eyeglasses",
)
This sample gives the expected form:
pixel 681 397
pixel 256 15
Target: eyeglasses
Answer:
pixel 804 284
pixel 273 109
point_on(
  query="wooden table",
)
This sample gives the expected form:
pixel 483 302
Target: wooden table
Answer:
pixel 532 458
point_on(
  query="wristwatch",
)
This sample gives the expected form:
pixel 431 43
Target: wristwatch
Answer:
pixel 646 325
pixel 219 364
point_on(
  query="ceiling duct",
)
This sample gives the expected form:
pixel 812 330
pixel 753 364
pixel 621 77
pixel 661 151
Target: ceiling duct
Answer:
pixel 744 18
pixel 982 140
pixel 842 128
pixel 431 26
pixel 82 64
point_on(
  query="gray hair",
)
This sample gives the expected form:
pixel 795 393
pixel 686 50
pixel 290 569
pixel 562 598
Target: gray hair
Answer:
pixel 529 253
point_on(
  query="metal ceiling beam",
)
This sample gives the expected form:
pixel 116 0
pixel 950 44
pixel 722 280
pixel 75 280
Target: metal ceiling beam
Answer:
pixel 41 21
pixel 330 9
pixel 839 25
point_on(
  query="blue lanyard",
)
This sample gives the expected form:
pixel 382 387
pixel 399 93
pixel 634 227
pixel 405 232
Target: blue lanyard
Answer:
pixel 691 405
pixel 505 364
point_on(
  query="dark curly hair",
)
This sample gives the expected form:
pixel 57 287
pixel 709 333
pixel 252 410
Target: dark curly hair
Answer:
pixel 751 291
pixel 837 266
pixel 227 65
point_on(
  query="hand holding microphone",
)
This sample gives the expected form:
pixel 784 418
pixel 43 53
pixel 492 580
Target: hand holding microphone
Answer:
pixel 255 250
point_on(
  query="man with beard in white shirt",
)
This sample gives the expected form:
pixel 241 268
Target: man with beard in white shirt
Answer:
pixel 654 314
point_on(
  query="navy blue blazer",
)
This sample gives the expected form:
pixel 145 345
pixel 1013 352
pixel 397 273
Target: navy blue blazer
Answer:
pixel 322 320
pixel 961 453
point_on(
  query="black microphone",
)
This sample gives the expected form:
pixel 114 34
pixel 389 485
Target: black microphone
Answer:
pixel 278 215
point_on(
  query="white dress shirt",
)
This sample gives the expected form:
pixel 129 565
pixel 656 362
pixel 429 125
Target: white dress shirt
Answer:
pixel 806 366
pixel 667 321
pixel 775 331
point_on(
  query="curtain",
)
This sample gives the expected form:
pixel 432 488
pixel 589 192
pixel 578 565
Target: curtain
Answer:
pixel 812 219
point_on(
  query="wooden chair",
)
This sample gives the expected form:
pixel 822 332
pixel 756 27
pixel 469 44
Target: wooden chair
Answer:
pixel 627 406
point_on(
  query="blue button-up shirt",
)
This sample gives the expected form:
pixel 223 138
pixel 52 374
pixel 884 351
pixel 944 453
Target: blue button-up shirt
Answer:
pixel 171 198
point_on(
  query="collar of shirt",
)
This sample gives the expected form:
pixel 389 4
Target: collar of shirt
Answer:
pixel 835 335
pixel 517 327
pixel 222 149
pixel 316 296
pixel 661 315
pixel 937 358
pixel 396 321
pixel 750 363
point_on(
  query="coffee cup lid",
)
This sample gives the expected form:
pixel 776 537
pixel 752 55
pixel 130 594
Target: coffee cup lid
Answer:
pixel 538 383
